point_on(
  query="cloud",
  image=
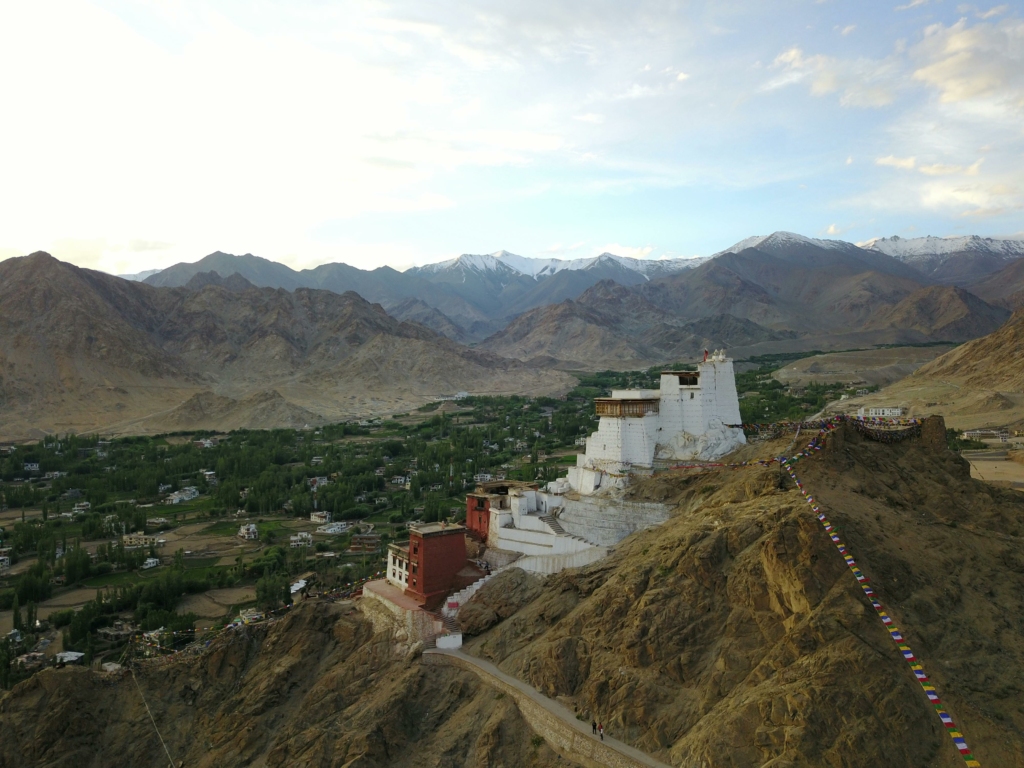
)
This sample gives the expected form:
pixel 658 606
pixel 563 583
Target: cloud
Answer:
pixel 847 29
pixel 590 117
pixel 906 163
pixel 141 246
pixel 992 12
pixel 559 248
pixel 860 82
pixel 682 76
pixel 834 230
pixel 849 160
pixel 964 63
pixel 938 169
pixel 911 4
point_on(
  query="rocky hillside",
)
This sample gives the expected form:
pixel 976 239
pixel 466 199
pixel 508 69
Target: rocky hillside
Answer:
pixel 318 688
pixel 734 634
pixel 731 636
pixel 994 362
pixel 941 313
pixel 84 351
pixel 1004 288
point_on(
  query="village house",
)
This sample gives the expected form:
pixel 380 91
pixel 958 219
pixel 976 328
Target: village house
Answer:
pixel 248 532
pixel 1002 435
pixel 121 630
pixel 301 539
pixel 317 482
pixel 185 494
pixel 333 529
pixel 209 476
pixel 31 466
pixel 139 540
pixel 151 562
pixel 157 521
pixel 882 412
pixel 320 517
pixel 364 542
pixel 206 442
pixel 316 461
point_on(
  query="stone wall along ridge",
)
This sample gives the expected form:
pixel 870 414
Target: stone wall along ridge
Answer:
pixel 553 722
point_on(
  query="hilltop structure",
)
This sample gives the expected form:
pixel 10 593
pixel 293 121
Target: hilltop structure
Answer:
pixel 573 520
pixel 687 418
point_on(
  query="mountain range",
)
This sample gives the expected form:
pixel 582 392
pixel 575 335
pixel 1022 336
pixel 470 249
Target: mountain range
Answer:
pixel 84 351
pixel 474 297
pixel 789 292
pixel 240 340
pixel 477 294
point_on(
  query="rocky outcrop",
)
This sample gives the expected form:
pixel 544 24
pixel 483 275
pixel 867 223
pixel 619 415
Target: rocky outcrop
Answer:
pixel 498 599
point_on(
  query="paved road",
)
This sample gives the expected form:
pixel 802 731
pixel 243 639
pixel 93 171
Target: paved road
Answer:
pixel 485 669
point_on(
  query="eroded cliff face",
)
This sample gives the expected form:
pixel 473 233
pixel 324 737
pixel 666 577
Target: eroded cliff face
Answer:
pixel 317 688
pixel 734 635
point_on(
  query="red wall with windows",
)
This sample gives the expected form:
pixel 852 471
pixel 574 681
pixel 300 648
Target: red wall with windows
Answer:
pixel 434 560
pixel 478 515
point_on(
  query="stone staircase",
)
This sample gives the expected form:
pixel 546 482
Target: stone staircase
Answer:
pixel 552 523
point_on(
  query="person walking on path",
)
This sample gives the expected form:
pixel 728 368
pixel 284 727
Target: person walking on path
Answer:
pixel 593 724
pixel 600 730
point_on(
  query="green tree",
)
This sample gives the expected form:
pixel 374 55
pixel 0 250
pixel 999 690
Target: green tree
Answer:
pixel 179 560
pixel 6 655
pixel 270 589
pixel 16 609
pixel 30 616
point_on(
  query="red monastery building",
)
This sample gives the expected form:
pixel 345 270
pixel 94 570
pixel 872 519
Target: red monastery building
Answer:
pixel 488 496
pixel 426 568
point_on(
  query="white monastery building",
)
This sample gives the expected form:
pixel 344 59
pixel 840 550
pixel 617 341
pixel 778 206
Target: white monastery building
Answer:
pixel 687 418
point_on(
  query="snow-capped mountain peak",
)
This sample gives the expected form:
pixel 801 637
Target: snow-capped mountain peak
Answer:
pixel 483 262
pixel 920 248
pixel 540 268
pixel 781 240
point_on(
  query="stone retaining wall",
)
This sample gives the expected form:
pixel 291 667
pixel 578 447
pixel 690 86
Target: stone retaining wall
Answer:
pixel 571 742
pixel 607 521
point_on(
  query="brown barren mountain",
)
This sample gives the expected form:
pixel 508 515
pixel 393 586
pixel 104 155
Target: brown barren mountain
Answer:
pixel 1005 288
pixel 941 312
pixel 84 351
pixel 995 361
pixel 731 636
pixel 612 326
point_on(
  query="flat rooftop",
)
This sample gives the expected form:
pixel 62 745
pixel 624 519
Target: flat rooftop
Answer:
pixel 427 529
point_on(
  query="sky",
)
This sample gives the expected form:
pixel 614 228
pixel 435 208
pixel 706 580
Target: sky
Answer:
pixel 139 134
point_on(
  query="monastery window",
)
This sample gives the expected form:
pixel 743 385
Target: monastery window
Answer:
pixel 688 379
pixel 691 395
pixel 610 407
